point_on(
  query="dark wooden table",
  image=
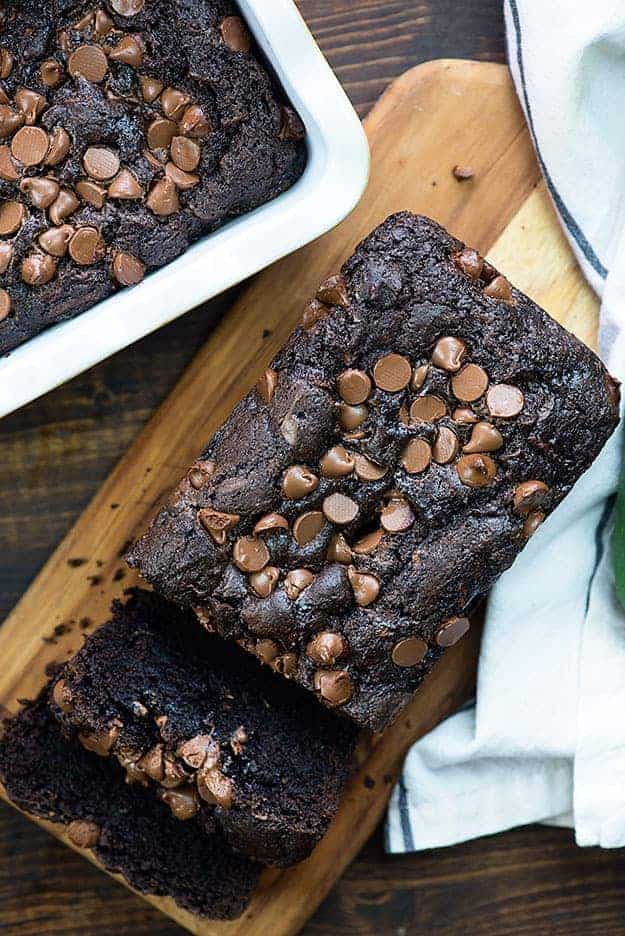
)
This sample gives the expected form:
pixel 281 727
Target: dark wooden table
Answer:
pixel 56 452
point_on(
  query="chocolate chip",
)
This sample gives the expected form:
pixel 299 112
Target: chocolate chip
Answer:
pixel 63 206
pixel 271 521
pixel 352 416
pixel 200 473
pixel 291 128
pixel 103 24
pixel 51 73
pixel 8 170
pixel 307 526
pixel 10 120
pixel 365 585
pixel 86 246
pixel 446 446
pixel 59 146
pixel 326 648
pixel 314 312
pixel 367 470
pixel 6 63
pixel 214 787
pixel 83 833
pixel 369 543
pixel 150 88
pixel 129 51
pixel 250 554
pixel 12 216
pixel 163 198
pixel 532 522
pixel 354 386
pixel 470 262
pixel 160 133
pixel 333 291
pixel 499 288
pixel 289 429
pixel 235 34
pixel 6 255
pixel 183 802
pixel 449 353
pixel 296 581
pixel 195 123
pixel 174 102
pixel 451 631
pixel 101 163
pixel 528 495
pixel 339 550
pixel 476 470
pixel 38 269
pixel 182 180
pixel 127 270
pixel 462 173
pixel 409 651
pixel 392 373
pixel 264 582
pixel 298 481
pixel 266 650
pixel 397 516
pixel 62 696
pixel 101 742
pixel 336 463
pixel 125 186
pixel 428 408
pixel 185 153
pixel 55 241
pixel 42 192
pixel 5 304
pixel 470 383
pixel 286 665
pixel 30 145
pixel 340 509
pixel 484 438
pixel 334 686
pixel 200 751
pixel 504 401
pixel 127 8
pixel 90 62
pixel 464 416
pixel 31 104
pixel 417 456
pixel 217 523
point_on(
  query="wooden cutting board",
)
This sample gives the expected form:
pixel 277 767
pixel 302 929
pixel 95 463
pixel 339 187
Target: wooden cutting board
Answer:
pixel 434 117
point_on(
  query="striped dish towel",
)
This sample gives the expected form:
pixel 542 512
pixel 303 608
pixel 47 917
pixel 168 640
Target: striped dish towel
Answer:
pixel 545 739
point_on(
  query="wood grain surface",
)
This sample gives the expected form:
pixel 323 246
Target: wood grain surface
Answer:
pixel 58 450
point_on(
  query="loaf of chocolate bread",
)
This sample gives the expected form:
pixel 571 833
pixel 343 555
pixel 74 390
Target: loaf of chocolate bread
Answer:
pixel 413 433
pixel 128 130
pixel 130 831
pixel 207 728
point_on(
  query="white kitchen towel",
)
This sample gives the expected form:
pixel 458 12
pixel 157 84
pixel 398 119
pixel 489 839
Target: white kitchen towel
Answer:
pixel 545 740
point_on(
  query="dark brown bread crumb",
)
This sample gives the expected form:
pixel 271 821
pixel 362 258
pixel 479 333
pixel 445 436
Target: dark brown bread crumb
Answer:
pixel 129 830
pixel 390 465
pixel 128 131
pixel 207 728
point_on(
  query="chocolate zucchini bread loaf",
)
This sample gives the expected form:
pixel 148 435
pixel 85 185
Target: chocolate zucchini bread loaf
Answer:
pixel 128 129
pixel 130 831
pixel 208 729
pixel 391 463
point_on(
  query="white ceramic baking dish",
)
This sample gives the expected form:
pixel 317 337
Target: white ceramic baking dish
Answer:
pixel 335 178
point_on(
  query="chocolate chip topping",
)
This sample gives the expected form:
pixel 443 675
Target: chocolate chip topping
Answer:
pixel 199 751
pixel 41 192
pixel 125 186
pixel 101 742
pixel 182 180
pixel 428 408
pixel 128 50
pixel 470 262
pixel 127 8
pixel 30 145
pixel 367 470
pixel 446 446
pixel 397 516
pixel 163 198
pixel 298 481
pixel 528 495
pixel 296 581
pixel 365 585
pixel 499 288
pixel 271 521
pixel 326 648
pixel 354 386
pixel 336 463
pixel 392 373
pixel 31 104
pixel 250 554
pixel 419 376
pixel 62 696
pixel 504 400
pixel 185 153
pixel 464 416
pixel 470 383
pixel 55 241
pixel 409 651
pixel 417 456
pixel 476 470
pixel 8 169
pixel 101 163
pixel 6 255
pixel 59 147
pixel 462 173
pixel 63 206
pixel 6 63
pixel 451 631
pixel 183 802
pixel 199 474
pixel 369 543
pixel 314 312
pixel 38 269
pixel 532 522
pixel 333 291
pixel 266 385
pixel 352 417
pixel 334 686
pixel 160 133
pixel 340 509
pixel 449 353
pixel 90 62
pixel 195 123
pixel 86 246
pixel 484 438
pixel 264 582
pixel 307 526
pixel 339 550
pixel 217 523
pixel 83 833
pixel 5 304
pixel 214 787
pixel 12 215
pixel 127 270
pixel 235 34
pixel 150 88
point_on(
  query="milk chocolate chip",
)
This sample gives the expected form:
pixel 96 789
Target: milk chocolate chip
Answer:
pixel 86 246
pixel 63 206
pixel 334 686
pixel 464 416
pixel 499 288
pixel 150 88
pixel 8 169
pixel 354 386
pixel 83 833
pixel 504 400
pixel 313 313
pixel 185 153
pixel 264 582
pixel 296 581
pixel 352 417
pixel 41 192
pixel 195 123
pixel 183 802
pixel 528 495
pixel 160 133
pixel 250 554
pixel 59 147
pixel 449 353
pixel 90 62
pixel 10 120
pixel 307 526
pixel 125 186
pixel 417 456
pixel 446 446
pixel 336 463
pixel 163 198
pixel 6 255
pixel 51 73
pixel 127 8
pixel 38 269
pixel 235 34
pixel 12 216
pixel 532 522
pixel 392 373
pixel 101 163
pixel 271 521
pixel 266 385
pixel 470 383
pixel 428 408
pixel 333 291
pixel 31 104
pixel 365 585
pixel 409 651
pixel 340 509
pixel 339 550
pixel 298 481
pixel 30 145
pixel 129 51
pixel 484 438
pixel 127 270
pixel 476 470
pixel 217 523
pixel 326 648
pixel 5 304
pixel 55 241
pixel 367 470
pixel 369 543
pixel 451 631
pixel 62 696
pixel 470 262
pixel 397 516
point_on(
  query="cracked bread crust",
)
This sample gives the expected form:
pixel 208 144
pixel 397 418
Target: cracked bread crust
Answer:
pixel 389 466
